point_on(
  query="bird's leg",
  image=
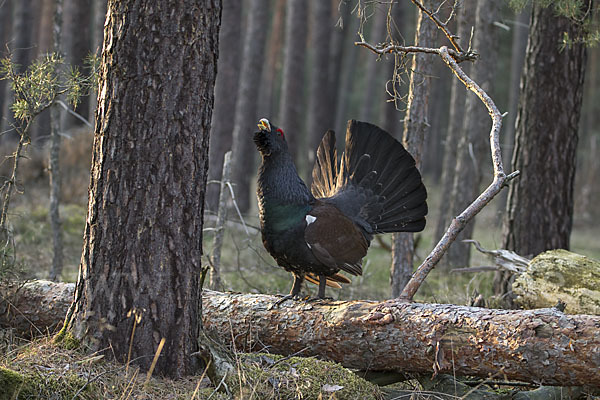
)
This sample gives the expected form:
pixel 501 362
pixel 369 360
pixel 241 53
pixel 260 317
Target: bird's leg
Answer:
pixel 294 292
pixel 322 284
pixel 297 285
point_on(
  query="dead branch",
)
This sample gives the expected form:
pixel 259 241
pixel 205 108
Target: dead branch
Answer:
pixel 541 346
pixel 500 178
pixel 393 48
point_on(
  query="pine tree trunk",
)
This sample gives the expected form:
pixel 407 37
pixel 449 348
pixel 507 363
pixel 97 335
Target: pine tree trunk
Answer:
pixel 5 32
pixel 339 47
pixel 373 76
pixel 347 71
pixel 225 96
pixel 292 87
pixel 246 118
pixel 390 110
pixel 540 202
pixel 267 104
pixel 141 262
pixel 415 125
pixel 97 37
pixel 20 43
pixel 320 106
pixel 540 209
pixel 76 47
pixel 471 152
pixel 54 164
pixel 465 20
pixel 517 58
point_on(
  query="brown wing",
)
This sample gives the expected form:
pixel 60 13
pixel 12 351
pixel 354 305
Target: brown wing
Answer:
pixel 334 239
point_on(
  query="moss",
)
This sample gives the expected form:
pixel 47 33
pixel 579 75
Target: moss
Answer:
pixel 560 275
pixel 268 376
pixel 13 385
pixel 66 340
pixel 17 385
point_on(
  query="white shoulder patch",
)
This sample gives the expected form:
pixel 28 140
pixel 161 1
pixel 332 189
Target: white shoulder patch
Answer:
pixel 310 219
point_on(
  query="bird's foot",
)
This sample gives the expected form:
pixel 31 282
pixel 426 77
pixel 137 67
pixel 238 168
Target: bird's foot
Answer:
pixel 286 298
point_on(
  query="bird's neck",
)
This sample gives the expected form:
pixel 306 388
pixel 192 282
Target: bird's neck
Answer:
pixel 283 199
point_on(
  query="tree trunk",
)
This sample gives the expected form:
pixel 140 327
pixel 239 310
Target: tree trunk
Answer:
pixel 465 20
pixel 20 44
pixel 339 47
pixel 5 34
pixel 54 164
pixel 141 262
pixel 225 96
pixel 541 346
pixel 292 87
pixel 415 125
pixel 245 120
pixel 540 202
pixel 517 57
pixel 320 107
pixel 267 104
pixel 390 110
pixel 471 153
pixel 76 47
pixel 374 81
pixel 347 71
pixel 96 36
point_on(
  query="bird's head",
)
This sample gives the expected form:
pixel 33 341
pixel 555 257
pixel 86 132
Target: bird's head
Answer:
pixel 269 139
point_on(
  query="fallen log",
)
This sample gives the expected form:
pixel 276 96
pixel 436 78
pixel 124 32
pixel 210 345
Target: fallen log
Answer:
pixel 543 346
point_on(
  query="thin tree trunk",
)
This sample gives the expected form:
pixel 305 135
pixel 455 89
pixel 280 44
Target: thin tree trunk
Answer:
pixel 374 79
pixel 245 108
pixel 320 107
pixel 339 46
pixel 215 270
pixel 20 44
pixel 471 150
pixel 541 346
pixel 142 250
pixel 517 58
pixel 466 20
pixel 97 37
pixel 76 47
pixel 44 39
pixel 5 34
pixel 226 92
pixel 292 90
pixel 347 72
pixel 390 110
pixel 273 66
pixel 54 170
pixel 415 126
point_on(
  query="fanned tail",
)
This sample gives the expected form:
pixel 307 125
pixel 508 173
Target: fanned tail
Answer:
pixel 377 184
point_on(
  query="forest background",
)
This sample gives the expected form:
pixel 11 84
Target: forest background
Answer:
pixel 306 76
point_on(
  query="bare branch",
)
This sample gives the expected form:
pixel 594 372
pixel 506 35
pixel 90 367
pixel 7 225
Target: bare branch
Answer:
pixel 442 26
pixel 452 58
pixel 392 48
pixel 500 178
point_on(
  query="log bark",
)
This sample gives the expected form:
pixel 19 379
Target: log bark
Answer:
pixel 543 346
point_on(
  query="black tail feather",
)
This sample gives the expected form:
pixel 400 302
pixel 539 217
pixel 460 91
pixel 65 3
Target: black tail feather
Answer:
pixel 377 183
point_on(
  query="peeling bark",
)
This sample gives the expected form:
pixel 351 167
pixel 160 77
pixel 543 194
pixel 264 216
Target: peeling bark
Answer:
pixel 542 346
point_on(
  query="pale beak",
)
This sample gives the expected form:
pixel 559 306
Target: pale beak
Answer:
pixel 264 125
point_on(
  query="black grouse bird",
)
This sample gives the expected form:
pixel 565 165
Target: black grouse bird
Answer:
pixel 315 234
